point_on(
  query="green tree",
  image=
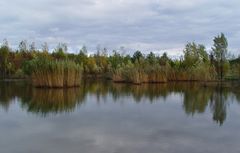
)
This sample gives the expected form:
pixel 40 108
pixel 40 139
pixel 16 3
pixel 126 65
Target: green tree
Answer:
pixel 191 54
pixel 45 47
pixel 137 56
pixel 151 58
pixel 60 51
pixel 164 59
pixel 83 50
pixel 203 55
pixel 32 47
pixel 4 58
pixel 115 60
pixel 23 46
pixel 220 52
pixel 194 53
pixel 82 57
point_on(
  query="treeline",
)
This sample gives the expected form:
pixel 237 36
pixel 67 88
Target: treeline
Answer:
pixel 59 68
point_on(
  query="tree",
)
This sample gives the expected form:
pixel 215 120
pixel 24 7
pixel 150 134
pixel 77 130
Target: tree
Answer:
pixel 220 51
pixel 190 54
pixel 105 51
pixel 32 47
pixel 83 50
pixel 60 51
pixel 23 46
pixel 115 60
pixel 62 47
pixel 151 58
pixel 98 49
pixel 137 56
pixel 45 47
pixel 122 50
pixel 164 59
pixel 82 56
pixel 4 57
pixel 5 43
pixel 203 55
pixel 194 54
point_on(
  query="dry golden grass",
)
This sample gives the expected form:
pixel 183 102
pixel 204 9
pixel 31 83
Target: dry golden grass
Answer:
pixel 56 74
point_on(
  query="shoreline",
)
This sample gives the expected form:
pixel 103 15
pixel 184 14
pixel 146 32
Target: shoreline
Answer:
pixel 92 78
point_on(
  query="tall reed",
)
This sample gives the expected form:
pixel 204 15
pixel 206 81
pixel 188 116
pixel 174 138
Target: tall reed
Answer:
pixel 132 73
pixel 58 74
pixel 138 74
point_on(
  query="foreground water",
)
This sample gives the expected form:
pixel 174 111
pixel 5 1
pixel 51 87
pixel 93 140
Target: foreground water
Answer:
pixel 116 118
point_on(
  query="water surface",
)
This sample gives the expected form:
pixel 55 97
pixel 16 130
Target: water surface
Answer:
pixel 103 117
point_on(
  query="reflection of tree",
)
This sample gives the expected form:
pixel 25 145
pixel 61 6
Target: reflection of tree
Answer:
pixel 196 98
pixel 218 105
pixel 96 88
pixel 150 92
pixel 236 92
pixel 11 90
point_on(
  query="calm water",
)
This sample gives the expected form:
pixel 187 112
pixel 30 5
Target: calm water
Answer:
pixel 117 118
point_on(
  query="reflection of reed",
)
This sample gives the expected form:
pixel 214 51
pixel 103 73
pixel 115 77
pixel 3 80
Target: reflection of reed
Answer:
pixel 150 91
pixel 54 100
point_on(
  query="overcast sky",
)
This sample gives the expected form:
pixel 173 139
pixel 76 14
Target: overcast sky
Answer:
pixel 146 25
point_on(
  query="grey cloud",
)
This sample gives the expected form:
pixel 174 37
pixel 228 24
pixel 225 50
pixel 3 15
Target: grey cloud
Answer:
pixel 136 24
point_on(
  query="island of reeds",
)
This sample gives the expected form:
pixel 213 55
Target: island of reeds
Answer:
pixel 58 68
pixel 54 73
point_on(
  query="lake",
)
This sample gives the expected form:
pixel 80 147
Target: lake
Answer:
pixel 103 117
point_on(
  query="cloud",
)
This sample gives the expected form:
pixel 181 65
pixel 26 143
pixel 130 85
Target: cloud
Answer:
pixel 154 24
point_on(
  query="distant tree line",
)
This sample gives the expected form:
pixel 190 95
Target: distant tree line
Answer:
pixel 196 64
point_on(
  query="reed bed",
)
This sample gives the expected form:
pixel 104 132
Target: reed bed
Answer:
pixel 55 74
pixel 159 74
pixel 133 74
